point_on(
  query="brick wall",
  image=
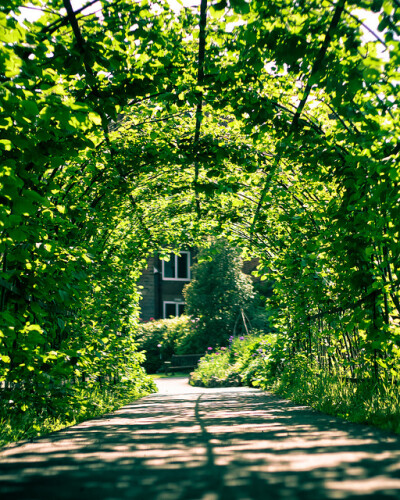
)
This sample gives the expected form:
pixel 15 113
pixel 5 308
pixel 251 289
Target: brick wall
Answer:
pixel 147 281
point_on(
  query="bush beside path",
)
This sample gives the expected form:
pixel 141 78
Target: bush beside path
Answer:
pixel 194 443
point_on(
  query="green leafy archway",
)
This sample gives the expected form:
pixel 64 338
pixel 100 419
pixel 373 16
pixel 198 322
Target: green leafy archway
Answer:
pixel 139 128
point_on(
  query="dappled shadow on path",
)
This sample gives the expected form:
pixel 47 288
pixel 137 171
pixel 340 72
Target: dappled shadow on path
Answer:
pixel 214 445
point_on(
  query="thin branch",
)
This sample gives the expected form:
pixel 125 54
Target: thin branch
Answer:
pixel 296 198
pixel 77 33
pixel 372 32
pixel 136 125
pixel 361 23
pixel 83 49
pixel 48 11
pixel 318 61
pixel 355 129
pixel 51 28
pixel 200 78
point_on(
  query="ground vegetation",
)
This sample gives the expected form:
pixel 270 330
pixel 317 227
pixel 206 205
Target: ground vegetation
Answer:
pixel 258 360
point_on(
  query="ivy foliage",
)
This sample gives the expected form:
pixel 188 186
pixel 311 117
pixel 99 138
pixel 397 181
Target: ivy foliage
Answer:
pixel 139 128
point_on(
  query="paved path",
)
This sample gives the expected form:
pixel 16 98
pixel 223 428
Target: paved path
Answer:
pixel 208 444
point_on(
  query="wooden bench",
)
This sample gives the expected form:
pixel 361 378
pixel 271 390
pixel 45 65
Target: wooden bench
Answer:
pixel 182 362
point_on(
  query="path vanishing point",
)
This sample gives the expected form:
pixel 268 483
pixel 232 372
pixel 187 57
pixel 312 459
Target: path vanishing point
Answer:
pixel 205 444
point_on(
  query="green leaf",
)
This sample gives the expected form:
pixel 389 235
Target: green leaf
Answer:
pixel 18 234
pixel 34 196
pixel 217 13
pixel 240 6
pixel 30 108
pixel 219 5
pixel 5 145
pixel 22 206
pixel 95 118
pixel 86 259
pixel 34 327
pixel 376 5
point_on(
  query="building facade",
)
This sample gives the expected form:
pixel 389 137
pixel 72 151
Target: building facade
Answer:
pixel 162 284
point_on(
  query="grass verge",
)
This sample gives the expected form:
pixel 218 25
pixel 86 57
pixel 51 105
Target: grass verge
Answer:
pixel 366 402
pixel 255 361
pixel 27 416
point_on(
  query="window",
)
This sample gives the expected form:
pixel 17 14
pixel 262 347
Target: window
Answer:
pixel 173 309
pixel 177 268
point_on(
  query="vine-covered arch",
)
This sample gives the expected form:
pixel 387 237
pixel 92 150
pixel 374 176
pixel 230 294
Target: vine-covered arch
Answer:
pixel 140 128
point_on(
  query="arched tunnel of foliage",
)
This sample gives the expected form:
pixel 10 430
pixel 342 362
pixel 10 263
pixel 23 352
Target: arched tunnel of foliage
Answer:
pixel 140 128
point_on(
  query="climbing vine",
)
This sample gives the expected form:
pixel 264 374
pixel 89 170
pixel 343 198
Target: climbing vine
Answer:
pixel 140 128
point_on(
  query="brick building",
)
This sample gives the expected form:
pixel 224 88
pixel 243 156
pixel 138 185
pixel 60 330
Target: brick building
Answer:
pixel 162 284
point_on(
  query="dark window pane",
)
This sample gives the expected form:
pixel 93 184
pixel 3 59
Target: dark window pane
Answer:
pixel 170 310
pixel 183 266
pixel 181 309
pixel 169 267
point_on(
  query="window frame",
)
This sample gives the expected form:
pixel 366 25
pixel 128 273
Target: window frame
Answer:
pixel 177 304
pixel 176 257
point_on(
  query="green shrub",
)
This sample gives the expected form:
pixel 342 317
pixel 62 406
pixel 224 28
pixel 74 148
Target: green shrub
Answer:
pixel 215 370
pixel 246 360
pixel 219 294
pixel 159 339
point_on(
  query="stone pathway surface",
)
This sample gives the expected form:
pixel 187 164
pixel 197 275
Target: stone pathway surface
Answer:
pixel 209 444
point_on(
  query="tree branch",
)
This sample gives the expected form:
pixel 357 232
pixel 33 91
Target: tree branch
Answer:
pixel 199 109
pixel 318 61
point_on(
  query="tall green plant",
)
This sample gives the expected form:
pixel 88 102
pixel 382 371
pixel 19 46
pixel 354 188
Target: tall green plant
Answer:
pixel 220 294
